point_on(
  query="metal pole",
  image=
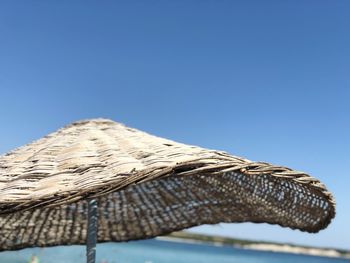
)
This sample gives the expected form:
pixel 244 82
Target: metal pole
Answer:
pixel 91 236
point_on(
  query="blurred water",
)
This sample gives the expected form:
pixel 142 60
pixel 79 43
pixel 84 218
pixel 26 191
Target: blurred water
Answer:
pixel 156 251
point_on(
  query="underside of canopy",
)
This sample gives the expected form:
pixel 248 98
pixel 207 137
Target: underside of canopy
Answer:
pixel 145 186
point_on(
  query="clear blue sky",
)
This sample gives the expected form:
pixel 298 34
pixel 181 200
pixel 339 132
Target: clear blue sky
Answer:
pixel 267 80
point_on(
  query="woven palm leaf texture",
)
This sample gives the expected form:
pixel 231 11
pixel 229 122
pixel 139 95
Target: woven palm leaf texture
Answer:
pixel 145 186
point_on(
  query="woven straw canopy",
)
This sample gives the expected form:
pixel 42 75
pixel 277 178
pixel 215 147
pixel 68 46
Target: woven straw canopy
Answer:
pixel 145 186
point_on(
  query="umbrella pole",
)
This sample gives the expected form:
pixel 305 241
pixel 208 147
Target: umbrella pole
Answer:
pixel 91 236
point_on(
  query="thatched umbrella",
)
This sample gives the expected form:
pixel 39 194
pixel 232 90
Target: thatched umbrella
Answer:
pixel 140 186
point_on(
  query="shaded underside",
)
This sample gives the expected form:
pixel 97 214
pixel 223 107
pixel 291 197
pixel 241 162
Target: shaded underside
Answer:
pixel 172 203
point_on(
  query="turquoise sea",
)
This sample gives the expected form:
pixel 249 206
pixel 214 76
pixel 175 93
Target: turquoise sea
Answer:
pixel 157 251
